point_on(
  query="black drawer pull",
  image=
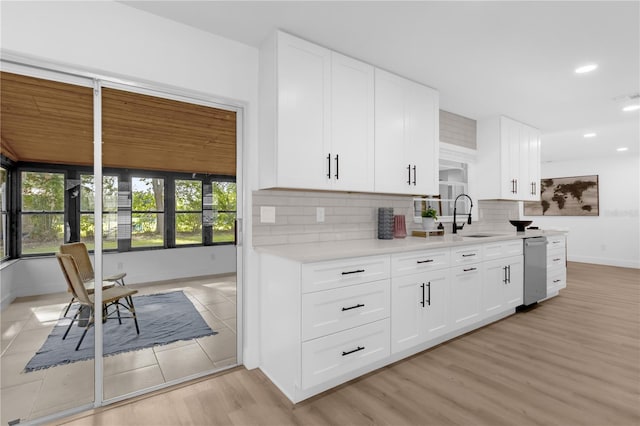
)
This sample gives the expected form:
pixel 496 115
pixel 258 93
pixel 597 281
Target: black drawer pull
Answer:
pixel 556 281
pixel 425 261
pixel 360 348
pixel 468 255
pixel 353 272
pixel 555 260
pixel 359 305
pixel 469 269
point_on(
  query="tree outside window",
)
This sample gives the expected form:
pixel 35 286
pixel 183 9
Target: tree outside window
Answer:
pixel 147 212
pixel 188 196
pixel 42 215
pixel 109 211
pixel 4 226
pixel 224 195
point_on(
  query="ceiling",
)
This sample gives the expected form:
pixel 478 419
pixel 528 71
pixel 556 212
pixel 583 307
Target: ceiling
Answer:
pixel 46 121
pixel 485 58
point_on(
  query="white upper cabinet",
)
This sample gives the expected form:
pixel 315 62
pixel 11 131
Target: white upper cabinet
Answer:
pixel 351 148
pixel 508 160
pixel 331 122
pixel 406 136
pixel 316 117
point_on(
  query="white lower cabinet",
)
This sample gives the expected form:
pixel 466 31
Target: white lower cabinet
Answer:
pixel 331 356
pixel 327 322
pixel 419 308
pixel 466 295
pixel 556 264
pixel 502 285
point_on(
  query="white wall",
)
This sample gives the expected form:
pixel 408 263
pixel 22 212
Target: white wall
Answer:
pixel 118 40
pixel 613 237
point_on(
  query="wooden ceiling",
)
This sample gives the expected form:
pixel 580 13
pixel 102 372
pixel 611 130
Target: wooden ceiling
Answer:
pixel 50 122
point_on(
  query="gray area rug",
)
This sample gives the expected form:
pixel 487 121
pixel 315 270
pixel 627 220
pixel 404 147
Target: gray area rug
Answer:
pixel 163 318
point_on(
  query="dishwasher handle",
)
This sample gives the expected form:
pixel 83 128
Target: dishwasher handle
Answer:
pixel 535 241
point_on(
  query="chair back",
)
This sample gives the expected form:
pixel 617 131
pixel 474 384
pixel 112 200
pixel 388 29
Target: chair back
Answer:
pixel 81 256
pixel 74 280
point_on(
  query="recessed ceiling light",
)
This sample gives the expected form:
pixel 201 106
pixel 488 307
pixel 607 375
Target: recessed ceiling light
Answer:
pixel 586 68
pixel 624 148
pixel 590 135
pixel 634 107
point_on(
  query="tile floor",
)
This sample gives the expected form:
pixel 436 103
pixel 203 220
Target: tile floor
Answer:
pixel 27 322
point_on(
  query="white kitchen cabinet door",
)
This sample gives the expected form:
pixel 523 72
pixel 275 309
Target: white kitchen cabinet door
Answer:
pixel 517 148
pixel 406 312
pixel 466 295
pixel 351 151
pixel 303 119
pixel 406 136
pixel 422 137
pixel 502 287
pixel 514 289
pixel 391 170
pixel 419 308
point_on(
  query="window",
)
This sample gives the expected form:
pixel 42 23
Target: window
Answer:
pixel 4 225
pixel 188 196
pixel 109 211
pixel 224 196
pixel 42 217
pixel 147 212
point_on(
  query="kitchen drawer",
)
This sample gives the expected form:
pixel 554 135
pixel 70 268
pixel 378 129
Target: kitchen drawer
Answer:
pixel 556 280
pixel 556 259
pixel 502 249
pixel 556 241
pixel 331 356
pixel 340 273
pixel 466 254
pixel 330 311
pixel 419 261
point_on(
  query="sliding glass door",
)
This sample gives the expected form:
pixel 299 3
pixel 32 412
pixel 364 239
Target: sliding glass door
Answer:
pixel 155 219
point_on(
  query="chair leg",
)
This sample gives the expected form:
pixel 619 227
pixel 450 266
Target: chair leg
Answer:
pixel 133 313
pixel 118 311
pixel 71 323
pixel 66 311
pixel 84 333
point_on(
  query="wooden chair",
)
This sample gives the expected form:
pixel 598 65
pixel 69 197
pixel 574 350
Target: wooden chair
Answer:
pixel 81 256
pixel 111 297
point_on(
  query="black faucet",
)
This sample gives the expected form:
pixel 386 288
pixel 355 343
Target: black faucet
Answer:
pixel 455 208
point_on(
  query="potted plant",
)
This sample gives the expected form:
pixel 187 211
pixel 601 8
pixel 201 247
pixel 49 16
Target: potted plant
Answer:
pixel 429 217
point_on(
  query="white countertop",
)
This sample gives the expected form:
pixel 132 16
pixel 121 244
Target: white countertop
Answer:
pixel 317 252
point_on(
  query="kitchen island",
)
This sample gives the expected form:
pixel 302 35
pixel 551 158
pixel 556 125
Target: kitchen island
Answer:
pixel 333 311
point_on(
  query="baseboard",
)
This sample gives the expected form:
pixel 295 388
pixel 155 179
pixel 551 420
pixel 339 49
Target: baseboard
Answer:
pixel 623 263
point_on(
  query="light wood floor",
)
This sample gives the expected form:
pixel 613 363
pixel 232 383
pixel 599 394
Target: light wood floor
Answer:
pixel 573 360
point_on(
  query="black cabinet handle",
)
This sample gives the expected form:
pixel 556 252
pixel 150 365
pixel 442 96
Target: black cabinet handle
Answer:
pixel 409 171
pixel 414 175
pixel 513 186
pixel 429 293
pixel 425 261
pixel 359 305
pixel 422 286
pixel 337 167
pixel 556 281
pixel 469 269
pixel 504 269
pixel 353 272
pixel 533 188
pixel 359 348
pixel 329 161
pixel 469 255
pixel 509 274
pixel 555 260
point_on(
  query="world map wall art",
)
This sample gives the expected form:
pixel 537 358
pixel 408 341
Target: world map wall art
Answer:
pixel 566 196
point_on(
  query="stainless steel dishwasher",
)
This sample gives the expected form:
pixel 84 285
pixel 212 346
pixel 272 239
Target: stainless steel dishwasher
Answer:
pixel 535 269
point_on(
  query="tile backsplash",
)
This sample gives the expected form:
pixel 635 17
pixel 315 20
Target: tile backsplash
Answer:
pixel 350 216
